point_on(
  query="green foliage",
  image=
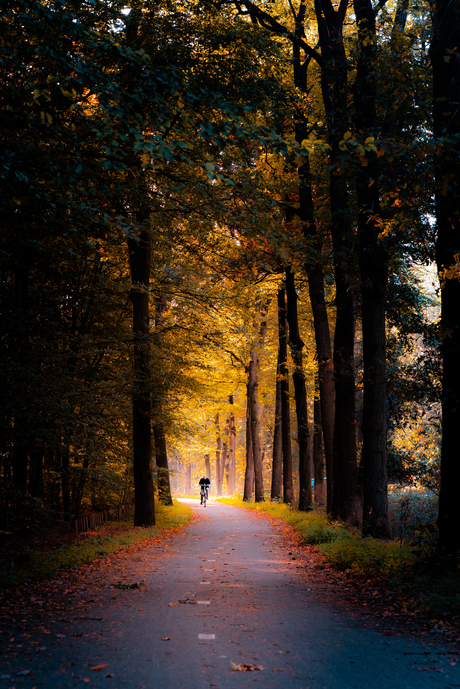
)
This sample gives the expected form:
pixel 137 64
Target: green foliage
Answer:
pixel 369 557
pixel 343 547
pixel 35 564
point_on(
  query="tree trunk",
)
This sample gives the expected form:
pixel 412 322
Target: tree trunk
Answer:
pixel 446 118
pixel 161 459
pixel 298 375
pixel 252 394
pixel 325 370
pixel 231 451
pixel 314 271
pixel 373 267
pixel 334 77
pixel 139 260
pixel 277 455
pixel 219 464
pixel 318 456
pixel 207 471
pixel 188 479
pixel 249 472
pixel 288 488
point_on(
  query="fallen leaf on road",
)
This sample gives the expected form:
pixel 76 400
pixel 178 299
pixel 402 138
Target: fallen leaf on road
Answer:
pixel 243 667
pixel 99 667
pixel 166 638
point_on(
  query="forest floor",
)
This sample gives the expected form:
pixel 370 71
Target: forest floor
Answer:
pixel 231 599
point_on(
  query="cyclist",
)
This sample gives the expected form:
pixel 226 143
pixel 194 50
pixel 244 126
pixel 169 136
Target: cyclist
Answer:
pixel 204 484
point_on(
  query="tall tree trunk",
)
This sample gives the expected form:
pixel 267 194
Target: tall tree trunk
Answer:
pixel 161 459
pixel 219 463
pixel 80 486
pixel 288 488
pixel 446 118
pixel 277 454
pixel 314 272
pixel 373 267
pixel 207 471
pixel 231 451
pixel 334 76
pixel 249 471
pixel 159 435
pixel 252 396
pixel 139 260
pixel 318 456
pixel 300 392
pixel 325 370
pixel 188 479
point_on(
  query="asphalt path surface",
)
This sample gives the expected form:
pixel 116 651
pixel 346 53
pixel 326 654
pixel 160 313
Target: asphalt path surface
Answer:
pixel 225 606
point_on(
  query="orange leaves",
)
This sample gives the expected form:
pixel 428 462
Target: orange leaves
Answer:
pixel 244 667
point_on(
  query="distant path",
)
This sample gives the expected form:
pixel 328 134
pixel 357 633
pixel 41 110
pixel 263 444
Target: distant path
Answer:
pixel 223 591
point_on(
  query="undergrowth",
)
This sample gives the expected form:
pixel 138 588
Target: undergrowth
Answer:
pixel 108 538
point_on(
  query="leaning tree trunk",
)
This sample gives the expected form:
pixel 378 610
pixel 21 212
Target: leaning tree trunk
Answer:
pixel 446 118
pixel 300 392
pixel 373 264
pixel 139 260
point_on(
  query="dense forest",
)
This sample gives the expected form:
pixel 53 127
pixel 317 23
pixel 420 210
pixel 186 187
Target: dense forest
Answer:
pixel 226 229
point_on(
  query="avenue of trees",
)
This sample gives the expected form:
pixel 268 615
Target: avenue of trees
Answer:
pixel 214 216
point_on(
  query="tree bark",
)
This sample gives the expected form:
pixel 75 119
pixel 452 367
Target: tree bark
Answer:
pixel 334 77
pixel 139 260
pixel 277 454
pixel 446 119
pixel 249 471
pixel 373 268
pixel 318 456
pixel 207 471
pixel 288 488
pixel 161 459
pixel 298 375
pixel 231 451
pixel 219 463
pixel 161 454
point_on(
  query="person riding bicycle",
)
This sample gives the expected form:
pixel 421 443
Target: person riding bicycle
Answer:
pixel 204 484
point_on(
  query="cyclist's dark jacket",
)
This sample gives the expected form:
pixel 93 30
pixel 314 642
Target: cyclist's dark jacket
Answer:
pixel 204 482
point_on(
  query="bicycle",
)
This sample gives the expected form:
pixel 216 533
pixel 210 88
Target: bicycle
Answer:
pixel 204 495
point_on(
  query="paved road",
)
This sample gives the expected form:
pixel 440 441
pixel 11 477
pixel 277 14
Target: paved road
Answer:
pixel 223 593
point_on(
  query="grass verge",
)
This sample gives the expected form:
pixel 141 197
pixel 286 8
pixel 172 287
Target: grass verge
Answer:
pixel 430 584
pixel 30 564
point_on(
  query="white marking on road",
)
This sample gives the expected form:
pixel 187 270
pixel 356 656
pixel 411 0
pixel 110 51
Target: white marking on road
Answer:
pixel 206 637
pixel 205 582
pixel 203 602
pixel 208 570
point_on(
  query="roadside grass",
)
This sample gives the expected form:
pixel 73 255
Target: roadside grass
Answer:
pixel 410 565
pixel 34 563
